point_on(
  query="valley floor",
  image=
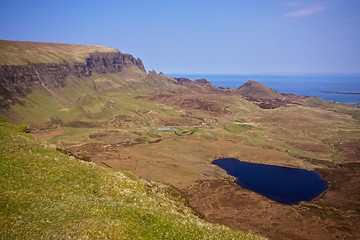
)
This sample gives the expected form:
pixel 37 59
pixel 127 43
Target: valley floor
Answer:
pixel 324 139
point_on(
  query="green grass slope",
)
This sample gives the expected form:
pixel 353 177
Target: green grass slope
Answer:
pixel 45 194
pixel 93 99
pixel 23 53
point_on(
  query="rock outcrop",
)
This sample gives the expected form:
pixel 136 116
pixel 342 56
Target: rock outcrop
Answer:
pixel 16 81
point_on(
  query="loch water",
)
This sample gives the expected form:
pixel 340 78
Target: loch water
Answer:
pixel 282 184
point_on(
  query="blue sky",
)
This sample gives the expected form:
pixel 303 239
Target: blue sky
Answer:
pixel 198 36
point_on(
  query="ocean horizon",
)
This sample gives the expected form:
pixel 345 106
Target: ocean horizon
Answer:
pixel 321 85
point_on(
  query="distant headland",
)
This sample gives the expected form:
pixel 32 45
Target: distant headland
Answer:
pixel 341 92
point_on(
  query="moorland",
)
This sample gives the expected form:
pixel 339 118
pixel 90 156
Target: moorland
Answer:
pixel 99 105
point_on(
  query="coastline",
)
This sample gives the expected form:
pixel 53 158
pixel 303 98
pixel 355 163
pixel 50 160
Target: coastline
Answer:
pixel 320 85
pixel 341 92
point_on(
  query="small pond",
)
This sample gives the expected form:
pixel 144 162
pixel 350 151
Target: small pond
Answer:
pixel 281 184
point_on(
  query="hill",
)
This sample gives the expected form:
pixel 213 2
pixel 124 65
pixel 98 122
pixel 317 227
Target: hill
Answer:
pixel 108 110
pixel 50 82
pixel 266 97
pixel 45 194
pixel 27 65
pixel 253 89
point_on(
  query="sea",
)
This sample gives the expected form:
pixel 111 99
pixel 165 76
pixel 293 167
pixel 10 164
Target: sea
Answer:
pixel 320 85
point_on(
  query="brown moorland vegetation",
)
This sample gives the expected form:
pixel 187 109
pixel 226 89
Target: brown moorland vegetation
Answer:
pixel 170 130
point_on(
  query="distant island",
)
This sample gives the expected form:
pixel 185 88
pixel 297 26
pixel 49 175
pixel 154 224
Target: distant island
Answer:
pixel 341 92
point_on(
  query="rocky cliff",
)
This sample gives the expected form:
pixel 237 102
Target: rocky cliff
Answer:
pixel 16 80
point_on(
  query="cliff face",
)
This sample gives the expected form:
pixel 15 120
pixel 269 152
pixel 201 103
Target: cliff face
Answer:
pixel 15 81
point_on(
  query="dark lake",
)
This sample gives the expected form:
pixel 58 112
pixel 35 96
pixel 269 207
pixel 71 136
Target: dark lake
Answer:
pixel 284 185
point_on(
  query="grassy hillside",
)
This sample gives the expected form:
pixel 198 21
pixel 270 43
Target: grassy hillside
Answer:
pixel 22 53
pixel 45 194
pixel 94 99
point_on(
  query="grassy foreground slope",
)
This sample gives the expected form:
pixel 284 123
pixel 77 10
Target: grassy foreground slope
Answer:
pixel 45 194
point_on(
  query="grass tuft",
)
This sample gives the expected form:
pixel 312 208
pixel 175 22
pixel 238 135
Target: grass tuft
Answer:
pixel 237 128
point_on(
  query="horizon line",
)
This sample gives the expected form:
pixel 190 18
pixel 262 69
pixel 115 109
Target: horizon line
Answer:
pixel 265 73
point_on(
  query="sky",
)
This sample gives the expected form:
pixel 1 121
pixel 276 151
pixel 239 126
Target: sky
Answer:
pixel 201 36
